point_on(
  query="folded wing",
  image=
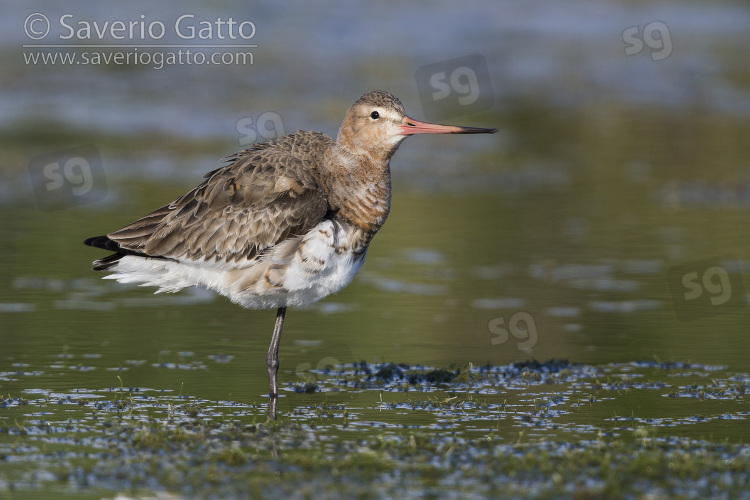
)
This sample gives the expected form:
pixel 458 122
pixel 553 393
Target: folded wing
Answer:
pixel 263 197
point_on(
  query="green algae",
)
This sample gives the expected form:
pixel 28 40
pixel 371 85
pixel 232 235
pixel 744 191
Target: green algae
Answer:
pixel 523 430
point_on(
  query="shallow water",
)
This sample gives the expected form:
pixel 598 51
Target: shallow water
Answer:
pixel 604 225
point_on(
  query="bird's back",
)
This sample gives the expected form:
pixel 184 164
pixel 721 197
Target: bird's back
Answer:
pixel 259 230
pixel 267 193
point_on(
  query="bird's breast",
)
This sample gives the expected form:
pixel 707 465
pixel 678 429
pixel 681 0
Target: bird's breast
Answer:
pixel 362 200
pixel 302 270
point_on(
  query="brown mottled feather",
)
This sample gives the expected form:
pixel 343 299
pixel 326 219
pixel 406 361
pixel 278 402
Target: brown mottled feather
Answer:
pixel 287 222
pixel 267 194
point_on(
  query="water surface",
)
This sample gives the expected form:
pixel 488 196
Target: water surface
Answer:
pixel 617 185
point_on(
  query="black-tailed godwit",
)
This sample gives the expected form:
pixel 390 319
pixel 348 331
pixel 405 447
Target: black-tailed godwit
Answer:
pixel 284 223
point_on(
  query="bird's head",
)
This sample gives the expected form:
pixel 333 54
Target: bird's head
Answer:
pixel 377 123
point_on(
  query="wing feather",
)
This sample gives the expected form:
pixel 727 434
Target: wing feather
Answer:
pixel 264 197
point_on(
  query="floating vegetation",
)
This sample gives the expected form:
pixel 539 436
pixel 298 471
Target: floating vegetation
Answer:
pixel 527 429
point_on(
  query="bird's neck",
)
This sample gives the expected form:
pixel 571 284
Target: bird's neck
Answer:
pixel 359 190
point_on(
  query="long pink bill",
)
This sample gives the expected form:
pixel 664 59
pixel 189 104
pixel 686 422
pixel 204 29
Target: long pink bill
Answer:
pixel 410 126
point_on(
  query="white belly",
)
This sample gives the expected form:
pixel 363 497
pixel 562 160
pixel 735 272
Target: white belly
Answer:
pixel 299 271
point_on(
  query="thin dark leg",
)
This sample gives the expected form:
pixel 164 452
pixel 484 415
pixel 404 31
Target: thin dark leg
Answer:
pixel 271 410
pixel 272 359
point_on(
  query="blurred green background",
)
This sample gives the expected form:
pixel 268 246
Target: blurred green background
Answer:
pixel 609 170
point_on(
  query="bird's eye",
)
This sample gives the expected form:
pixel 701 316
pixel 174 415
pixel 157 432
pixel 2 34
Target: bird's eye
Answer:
pixel 374 115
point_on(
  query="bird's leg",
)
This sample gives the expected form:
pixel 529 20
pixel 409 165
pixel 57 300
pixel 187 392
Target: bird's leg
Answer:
pixel 272 359
pixel 271 410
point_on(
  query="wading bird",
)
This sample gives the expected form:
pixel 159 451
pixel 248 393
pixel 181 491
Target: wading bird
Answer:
pixel 284 223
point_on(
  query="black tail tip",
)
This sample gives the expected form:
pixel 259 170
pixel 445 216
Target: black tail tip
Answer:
pixel 103 242
pixel 108 262
pixel 92 242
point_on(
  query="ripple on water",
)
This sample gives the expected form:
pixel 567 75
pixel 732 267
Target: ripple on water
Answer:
pixel 392 285
pixel 498 303
pixel 16 307
pixel 625 306
pixel 563 312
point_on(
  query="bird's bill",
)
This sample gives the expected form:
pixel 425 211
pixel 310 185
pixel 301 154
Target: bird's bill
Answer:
pixel 410 126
